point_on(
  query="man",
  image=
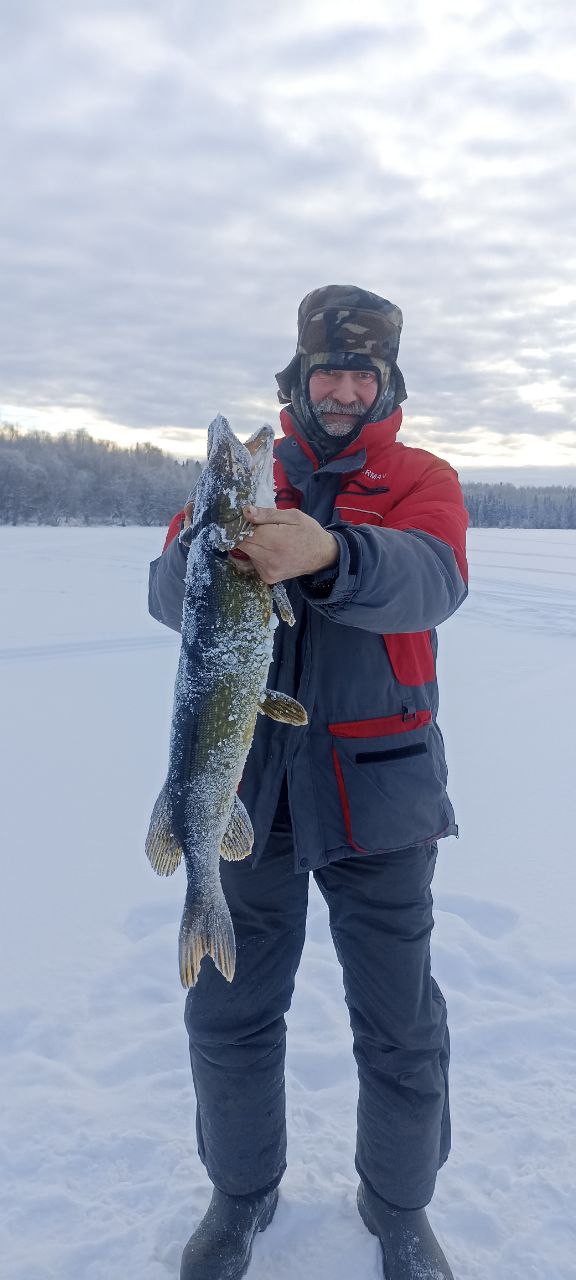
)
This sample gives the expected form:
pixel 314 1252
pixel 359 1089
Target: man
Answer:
pixel 369 536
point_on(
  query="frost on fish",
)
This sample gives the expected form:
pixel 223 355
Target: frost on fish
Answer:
pixel 228 629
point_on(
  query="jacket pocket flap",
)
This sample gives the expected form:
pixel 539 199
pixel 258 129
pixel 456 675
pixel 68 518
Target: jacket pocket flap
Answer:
pixel 381 726
pixel 411 657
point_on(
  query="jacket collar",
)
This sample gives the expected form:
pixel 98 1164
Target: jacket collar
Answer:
pixel 373 438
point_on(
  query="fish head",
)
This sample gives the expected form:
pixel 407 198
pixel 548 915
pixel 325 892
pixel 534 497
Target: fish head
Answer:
pixel 233 477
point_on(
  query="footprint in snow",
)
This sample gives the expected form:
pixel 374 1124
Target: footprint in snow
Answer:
pixel 490 919
pixel 149 917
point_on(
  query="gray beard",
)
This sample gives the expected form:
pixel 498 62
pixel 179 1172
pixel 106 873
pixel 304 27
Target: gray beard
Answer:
pixel 328 405
pixel 337 428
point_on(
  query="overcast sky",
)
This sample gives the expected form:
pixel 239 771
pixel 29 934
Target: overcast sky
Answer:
pixel 177 174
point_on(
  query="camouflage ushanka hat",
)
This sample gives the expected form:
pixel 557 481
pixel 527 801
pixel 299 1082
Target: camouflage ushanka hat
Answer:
pixel 343 319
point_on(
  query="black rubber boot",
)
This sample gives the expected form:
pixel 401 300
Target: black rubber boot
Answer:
pixel 221 1246
pixel 409 1247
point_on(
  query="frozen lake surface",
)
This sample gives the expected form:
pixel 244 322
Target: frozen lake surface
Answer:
pixel 100 1174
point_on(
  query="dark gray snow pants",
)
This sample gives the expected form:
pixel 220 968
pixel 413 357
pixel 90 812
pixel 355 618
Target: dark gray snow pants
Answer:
pixel 381 918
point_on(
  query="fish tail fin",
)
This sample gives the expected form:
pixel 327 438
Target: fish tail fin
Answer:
pixel 163 848
pixel 206 930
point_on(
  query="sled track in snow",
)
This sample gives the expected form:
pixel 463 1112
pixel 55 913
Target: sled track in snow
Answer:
pixel 500 586
pixel 86 648
pixel 532 607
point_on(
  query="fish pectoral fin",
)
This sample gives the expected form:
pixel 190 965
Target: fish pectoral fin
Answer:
pixel 279 706
pixel 282 603
pixel 206 930
pixel 239 835
pixel 163 849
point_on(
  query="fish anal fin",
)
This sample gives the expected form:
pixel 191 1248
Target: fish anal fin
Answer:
pixel 206 930
pixel 279 706
pixel 239 834
pixel 163 849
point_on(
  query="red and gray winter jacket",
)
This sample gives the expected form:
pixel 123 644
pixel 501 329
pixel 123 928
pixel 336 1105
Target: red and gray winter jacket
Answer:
pixel 368 773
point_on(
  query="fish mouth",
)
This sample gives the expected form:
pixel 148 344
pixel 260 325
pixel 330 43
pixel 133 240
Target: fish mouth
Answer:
pixel 260 440
pixel 260 447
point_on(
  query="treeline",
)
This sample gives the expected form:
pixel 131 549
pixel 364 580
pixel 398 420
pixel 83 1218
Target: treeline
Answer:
pixel 74 479
pixel 510 506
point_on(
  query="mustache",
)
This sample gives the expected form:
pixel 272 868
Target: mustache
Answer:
pixel 329 405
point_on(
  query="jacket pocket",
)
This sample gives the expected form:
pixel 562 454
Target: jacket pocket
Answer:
pixel 391 776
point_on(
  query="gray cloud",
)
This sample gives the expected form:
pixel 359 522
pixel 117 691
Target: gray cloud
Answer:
pixel 173 185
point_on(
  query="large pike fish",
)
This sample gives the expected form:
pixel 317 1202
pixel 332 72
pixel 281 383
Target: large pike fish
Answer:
pixel 227 635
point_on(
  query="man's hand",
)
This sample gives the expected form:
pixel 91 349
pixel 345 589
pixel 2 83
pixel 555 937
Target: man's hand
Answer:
pixel 287 544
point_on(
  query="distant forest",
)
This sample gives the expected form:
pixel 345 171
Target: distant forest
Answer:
pixel 74 479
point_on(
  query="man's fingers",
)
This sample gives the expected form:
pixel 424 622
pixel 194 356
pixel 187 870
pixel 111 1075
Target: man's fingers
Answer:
pixel 188 513
pixel 271 515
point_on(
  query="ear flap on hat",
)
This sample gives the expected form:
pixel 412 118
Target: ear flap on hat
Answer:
pixel 286 379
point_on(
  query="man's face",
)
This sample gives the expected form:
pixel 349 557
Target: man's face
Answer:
pixel 342 396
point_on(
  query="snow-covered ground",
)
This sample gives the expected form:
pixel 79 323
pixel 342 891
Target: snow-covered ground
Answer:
pixel 100 1178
